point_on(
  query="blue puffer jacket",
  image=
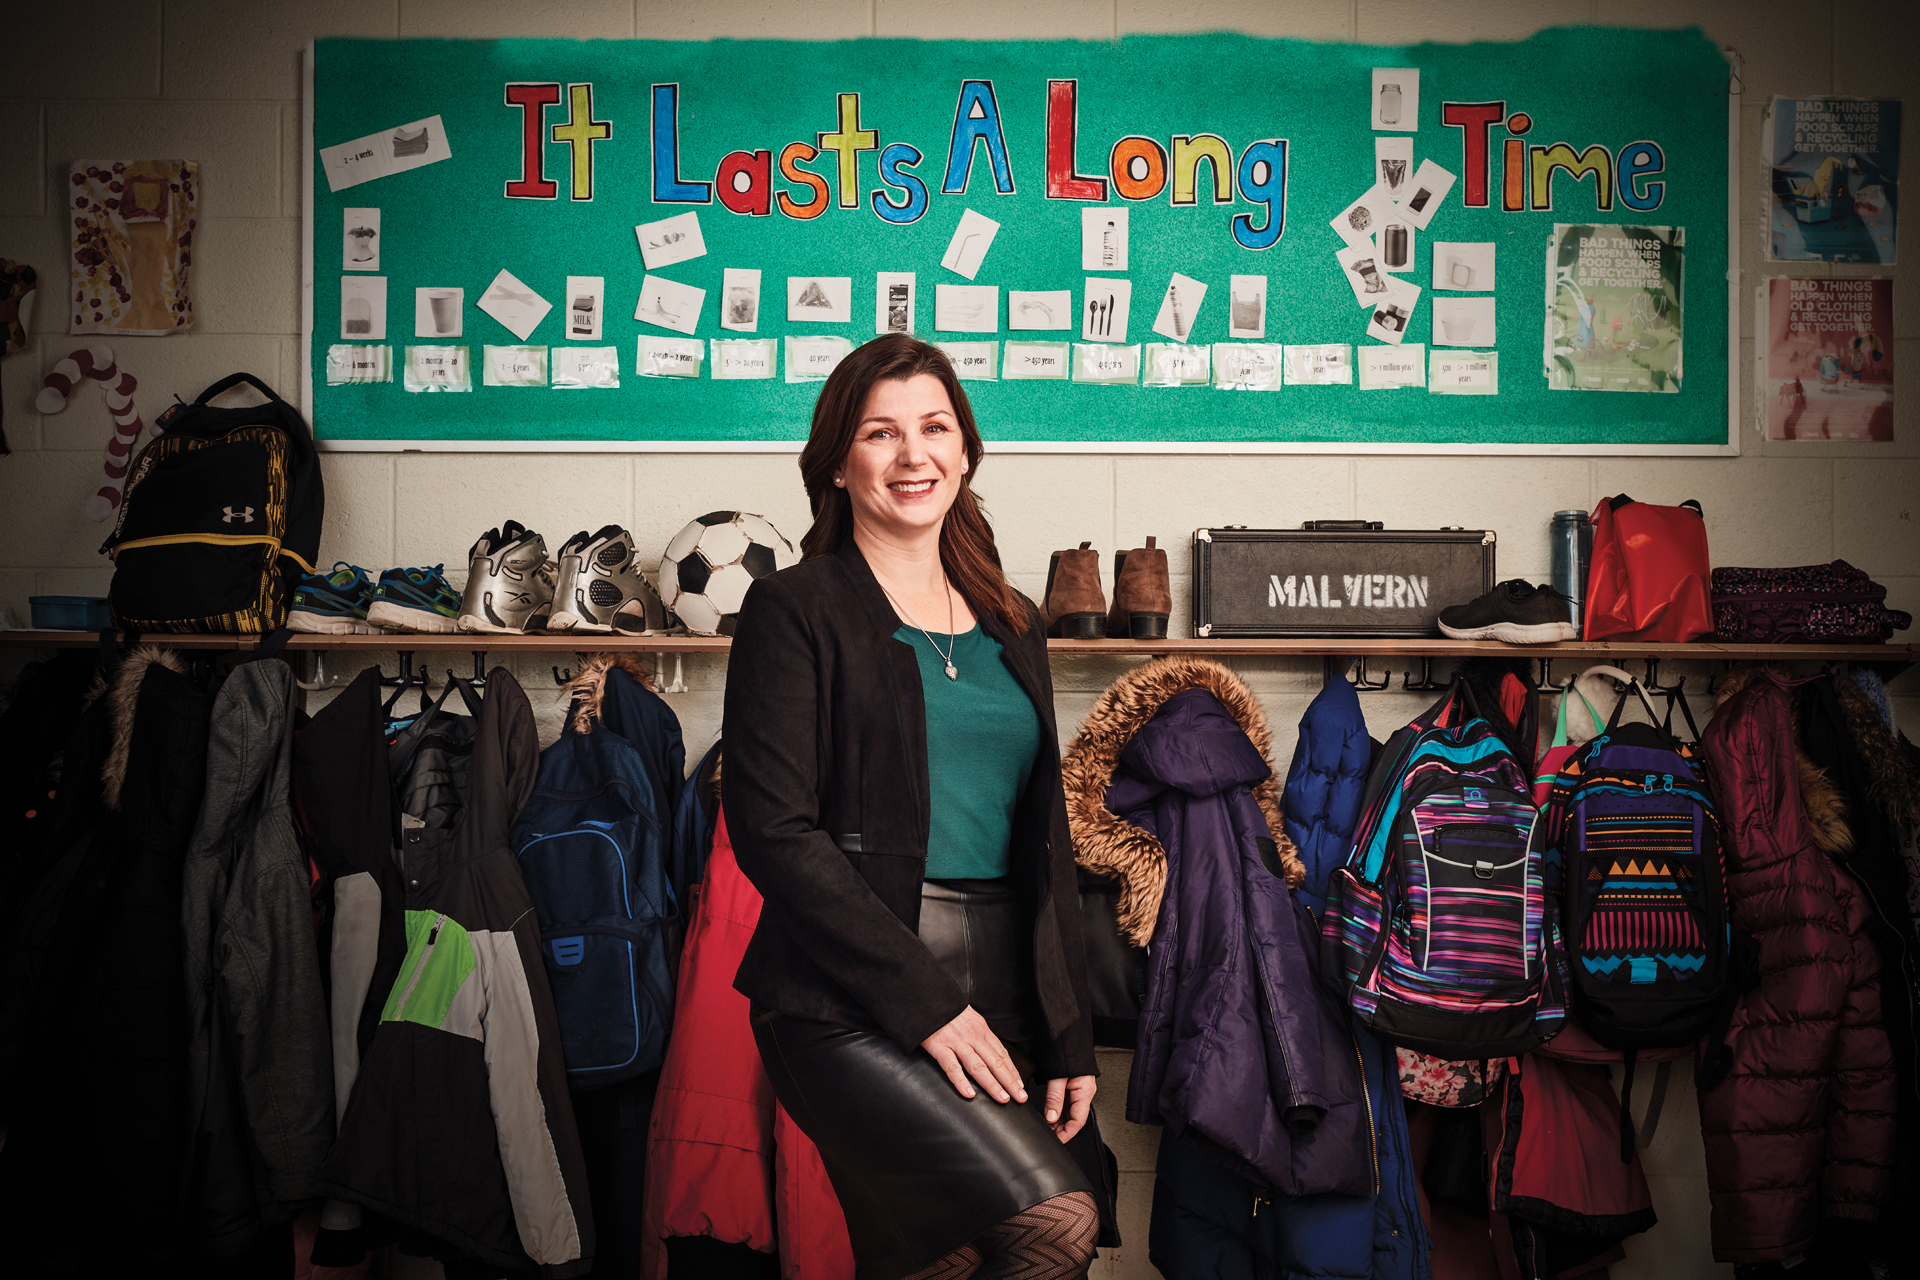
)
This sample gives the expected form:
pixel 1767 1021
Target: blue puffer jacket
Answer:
pixel 1209 1224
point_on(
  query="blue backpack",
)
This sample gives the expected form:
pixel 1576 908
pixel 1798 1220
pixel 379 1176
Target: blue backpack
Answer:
pixel 593 845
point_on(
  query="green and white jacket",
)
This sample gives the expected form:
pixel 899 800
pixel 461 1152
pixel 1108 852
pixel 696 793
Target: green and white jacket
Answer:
pixel 459 1124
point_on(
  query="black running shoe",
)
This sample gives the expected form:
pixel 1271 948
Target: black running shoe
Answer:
pixel 1516 612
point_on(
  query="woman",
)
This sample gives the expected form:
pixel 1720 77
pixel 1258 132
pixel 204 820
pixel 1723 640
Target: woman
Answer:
pixel 893 788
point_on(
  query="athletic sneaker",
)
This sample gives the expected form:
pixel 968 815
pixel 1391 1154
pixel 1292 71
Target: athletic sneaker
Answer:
pixel 1515 612
pixel 509 581
pixel 414 600
pixel 601 588
pixel 332 603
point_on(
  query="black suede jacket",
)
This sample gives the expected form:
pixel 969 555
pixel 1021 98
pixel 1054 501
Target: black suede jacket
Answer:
pixel 825 790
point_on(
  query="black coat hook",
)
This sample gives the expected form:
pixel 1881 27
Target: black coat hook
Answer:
pixel 563 678
pixel 479 677
pixel 1426 684
pixel 1359 678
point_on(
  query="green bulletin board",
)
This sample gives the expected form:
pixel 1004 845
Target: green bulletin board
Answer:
pixel 450 224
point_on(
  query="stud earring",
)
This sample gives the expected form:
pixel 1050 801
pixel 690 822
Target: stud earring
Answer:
pixel 838 483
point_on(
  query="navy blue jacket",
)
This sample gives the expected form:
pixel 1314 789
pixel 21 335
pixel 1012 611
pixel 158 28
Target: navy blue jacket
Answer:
pixel 1208 1223
pixel 1241 1052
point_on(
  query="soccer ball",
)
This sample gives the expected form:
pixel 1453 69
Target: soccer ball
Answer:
pixel 709 565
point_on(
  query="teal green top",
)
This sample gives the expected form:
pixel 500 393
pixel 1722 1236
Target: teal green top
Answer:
pixel 983 738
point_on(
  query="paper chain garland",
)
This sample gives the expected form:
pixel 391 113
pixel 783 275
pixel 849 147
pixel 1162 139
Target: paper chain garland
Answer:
pixel 97 363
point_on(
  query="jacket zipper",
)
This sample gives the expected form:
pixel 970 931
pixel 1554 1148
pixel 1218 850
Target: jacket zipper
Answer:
pixel 1366 1098
pixel 426 954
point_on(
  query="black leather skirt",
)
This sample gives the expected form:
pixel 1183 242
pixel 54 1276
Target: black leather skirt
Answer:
pixel 920 1170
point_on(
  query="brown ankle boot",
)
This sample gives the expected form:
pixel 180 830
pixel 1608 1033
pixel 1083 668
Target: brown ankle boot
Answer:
pixel 1075 606
pixel 1142 597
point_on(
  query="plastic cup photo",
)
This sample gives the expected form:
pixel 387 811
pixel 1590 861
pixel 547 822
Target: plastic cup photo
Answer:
pixel 1459 274
pixel 445 305
pixel 1458 330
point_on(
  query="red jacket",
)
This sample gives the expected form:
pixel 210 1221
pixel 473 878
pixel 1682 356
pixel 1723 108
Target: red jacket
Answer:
pixel 723 1158
pixel 1802 1127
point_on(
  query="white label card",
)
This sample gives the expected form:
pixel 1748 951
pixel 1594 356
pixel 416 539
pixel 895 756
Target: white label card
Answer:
pixel 744 357
pixel 438 369
pixel 1321 365
pixel 354 363
pixel 513 366
pixel 1384 368
pixel 1246 366
pixel 1464 373
pixel 390 151
pixel 974 361
pixel 1108 364
pixel 1035 360
pixel 1170 364
pixel 586 367
pixel 812 359
pixel 670 357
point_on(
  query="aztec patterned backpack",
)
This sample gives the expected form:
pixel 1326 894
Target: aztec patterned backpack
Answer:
pixel 1649 940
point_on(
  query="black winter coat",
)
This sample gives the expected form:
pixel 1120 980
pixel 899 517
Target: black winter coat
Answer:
pixel 93 1016
pixel 826 795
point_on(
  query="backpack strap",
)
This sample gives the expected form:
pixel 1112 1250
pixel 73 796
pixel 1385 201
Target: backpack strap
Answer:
pixel 1626 1110
pixel 233 380
pixel 1634 686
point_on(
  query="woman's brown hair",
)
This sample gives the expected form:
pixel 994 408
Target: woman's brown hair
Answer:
pixel 967 551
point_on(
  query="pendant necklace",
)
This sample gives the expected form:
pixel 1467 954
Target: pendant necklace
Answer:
pixel 953 672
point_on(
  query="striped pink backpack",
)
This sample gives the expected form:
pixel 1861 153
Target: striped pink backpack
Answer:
pixel 1439 930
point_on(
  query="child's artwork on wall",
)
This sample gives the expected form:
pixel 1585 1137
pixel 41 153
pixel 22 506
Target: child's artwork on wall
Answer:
pixel 133 227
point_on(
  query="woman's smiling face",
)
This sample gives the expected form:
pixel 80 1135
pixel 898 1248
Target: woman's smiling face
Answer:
pixel 908 459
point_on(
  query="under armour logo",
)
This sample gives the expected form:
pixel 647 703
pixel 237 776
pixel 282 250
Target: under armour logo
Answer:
pixel 244 515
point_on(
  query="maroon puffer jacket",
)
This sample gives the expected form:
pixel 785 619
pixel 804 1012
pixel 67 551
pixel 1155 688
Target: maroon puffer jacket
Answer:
pixel 1802 1127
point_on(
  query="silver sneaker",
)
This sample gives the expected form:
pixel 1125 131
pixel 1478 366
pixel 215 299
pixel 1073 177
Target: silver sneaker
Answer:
pixel 601 588
pixel 509 581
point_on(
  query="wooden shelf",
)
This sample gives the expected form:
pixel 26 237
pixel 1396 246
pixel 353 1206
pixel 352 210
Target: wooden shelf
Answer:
pixel 1334 646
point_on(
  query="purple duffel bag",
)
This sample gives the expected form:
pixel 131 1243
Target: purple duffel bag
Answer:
pixel 1805 604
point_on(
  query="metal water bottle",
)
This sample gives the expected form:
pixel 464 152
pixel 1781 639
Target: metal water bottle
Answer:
pixel 1571 544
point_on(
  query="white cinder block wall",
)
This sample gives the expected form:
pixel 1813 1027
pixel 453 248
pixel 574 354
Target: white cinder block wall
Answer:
pixel 218 81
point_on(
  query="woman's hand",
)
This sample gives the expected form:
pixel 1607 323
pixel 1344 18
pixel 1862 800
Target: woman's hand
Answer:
pixel 1077 1096
pixel 967 1047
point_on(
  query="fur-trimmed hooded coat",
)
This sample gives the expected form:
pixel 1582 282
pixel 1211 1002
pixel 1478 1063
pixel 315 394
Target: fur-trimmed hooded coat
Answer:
pixel 1241 1051
pixel 1800 1130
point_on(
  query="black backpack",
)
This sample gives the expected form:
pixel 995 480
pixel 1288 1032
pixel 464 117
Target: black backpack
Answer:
pixel 221 517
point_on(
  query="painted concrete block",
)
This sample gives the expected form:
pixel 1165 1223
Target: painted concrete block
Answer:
pixel 1760 511
pixel 292 160
pixel 113 51
pixel 42 243
pixel 935 20
pixel 215 49
pixel 1170 497
pixel 44 495
pixel 15 586
pixel 1772 37
pixel 1298 19
pixel 246 276
pixel 576 19
pixel 181 365
pixel 669 489
pixel 236 145
pixel 1042 503
pixel 22 193
pixel 359 524
pixel 1411 21
pixel 754 20
pixel 1876 515
pixel 1134 1207
pixel 445 501
pixel 1679 1247
pixel 1514 497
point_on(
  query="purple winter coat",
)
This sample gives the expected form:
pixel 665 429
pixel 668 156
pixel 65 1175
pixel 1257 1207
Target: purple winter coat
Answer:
pixel 1242 1051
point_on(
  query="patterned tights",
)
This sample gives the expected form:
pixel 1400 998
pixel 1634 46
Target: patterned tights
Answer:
pixel 1051 1241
